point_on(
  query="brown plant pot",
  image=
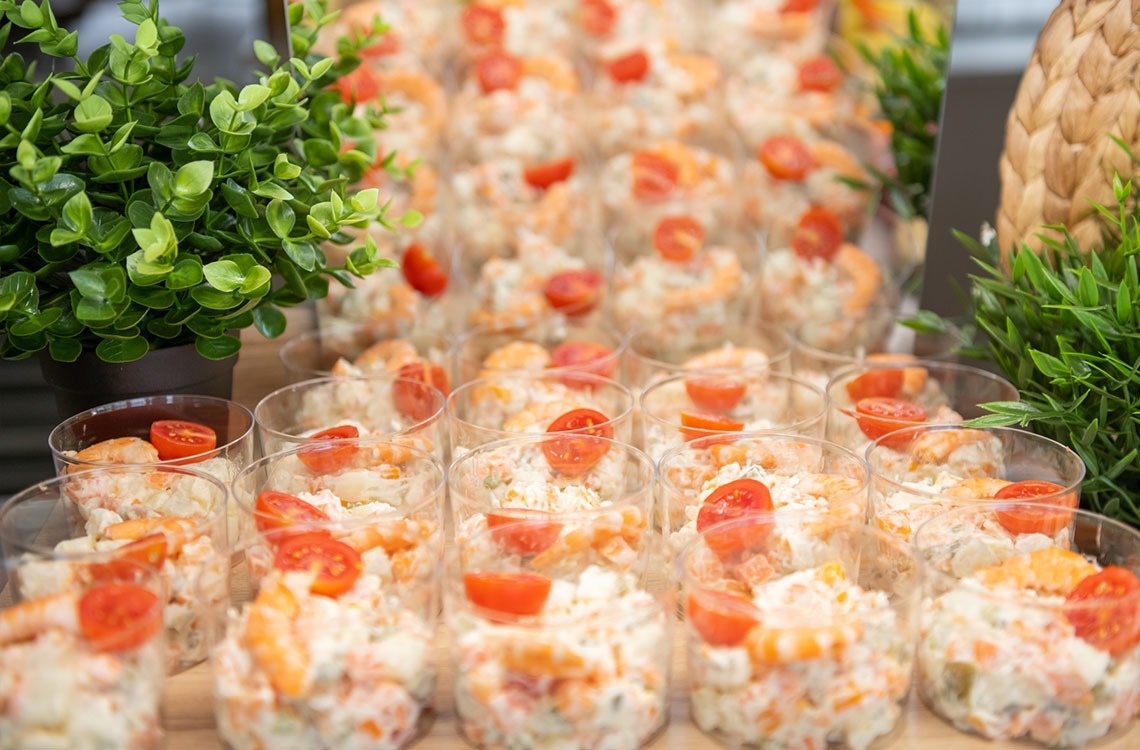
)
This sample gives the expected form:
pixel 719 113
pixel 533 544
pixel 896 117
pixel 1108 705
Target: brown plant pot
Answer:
pixel 89 381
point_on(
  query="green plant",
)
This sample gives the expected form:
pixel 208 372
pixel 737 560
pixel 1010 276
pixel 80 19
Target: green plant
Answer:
pixel 1064 327
pixel 140 208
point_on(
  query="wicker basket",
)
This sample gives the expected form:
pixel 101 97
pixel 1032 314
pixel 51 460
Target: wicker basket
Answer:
pixel 1080 91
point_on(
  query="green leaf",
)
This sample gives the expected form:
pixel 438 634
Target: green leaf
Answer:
pixel 266 53
pixel 187 273
pixel 239 199
pixel 252 96
pixel 193 179
pixel 85 144
pixel 146 35
pixel 220 347
pixel 224 275
pixel 93 114
pixel 203 143
pixel 67 87
pixel 280 217
pixel 269 320
pixel 100 281
pixel 122 350
pixel 283 169
pixel 272 190
pixel 411 219
pixel 213 299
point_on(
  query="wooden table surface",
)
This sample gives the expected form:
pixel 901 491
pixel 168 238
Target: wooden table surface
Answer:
pixel 189 704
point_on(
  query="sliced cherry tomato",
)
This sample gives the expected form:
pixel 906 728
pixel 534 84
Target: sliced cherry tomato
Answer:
pixel 819 74
pixel 422 271
pixel 328 452
pixel 516 594
pixel 483 25
pixel 498 70
pixel 738 499
pixel 523 535
pixel 799 6
pixel 654 176
pixel 1047 514
pixel 148 552
pixel 543 176
pixel 177 438
pixel 387 44
pixel 879 415
pixel 584 356
pixel 1105 609
pixel 573 293
pixel 335 564
pixel 628 68
pixel 412 393
pixel 361 85
pixel 818 234
pixel 720 618
pixel 1028 489
pixel 880 382
pixel 699 424
pixel 280 510
pixel 716 394
pixel 678 238
pixel 119 616
pixel 598 17
pixel 578 452
pixel 786 157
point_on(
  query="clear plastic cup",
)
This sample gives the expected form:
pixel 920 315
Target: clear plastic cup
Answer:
pixel 83 654
pixel 577 657
pixel 379 405
pixel 869 400
pixel 1029 622
pixel 503 404
pixel 174 519
pixel 701 403
pixel 799 631
pixel 919 472
pixel 123 433
pixel 360 350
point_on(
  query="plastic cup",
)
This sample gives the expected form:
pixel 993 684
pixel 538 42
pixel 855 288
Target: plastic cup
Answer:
pixel 654 354
pixel 174 519
pixel 360 350
pixel 1029 622
pixel 799 631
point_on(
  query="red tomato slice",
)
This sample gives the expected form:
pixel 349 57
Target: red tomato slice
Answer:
pixel 628 68
pixel 740 498
pixel 578 452
pixel 412 393
pixel 786 157
pixel 818 234
pixel 819 74
pixel 422 271
pixel 879 415
pixel 573 293
pixel 1105 609
pixel 280 510
pixel 361 85
pixel 335 564
pixel 387 44
pixel 584 356
pixel 1039 517
pixel 177 438
pixel 543 176
pixel 720 618
pixel 715 394
pixel 598 17
pixel 654 176
pixel 119 616
pixel 884 382
pixel 482 25
pixel 678 238
pixel 148 552
pixel 329 452
pixel 523 535
pixel 498 70
pixel 799 6
pixel 516 594
pixel 699 424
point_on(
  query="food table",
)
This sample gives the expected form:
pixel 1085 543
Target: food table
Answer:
pixel 189 706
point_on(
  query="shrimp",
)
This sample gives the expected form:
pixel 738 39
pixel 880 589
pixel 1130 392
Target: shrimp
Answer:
pixel 517 355
pixel 1050 570
pixel 539 415
pixel 728 356
pixel 393 537
pixel 615 535
pixel 400 87
pixel 864 273
pixel 936 446
pixel 721 285
pixel 786 644
pixel 541 658
pixel 125 450
pixel 273 642
pixel 525 307
pixel 914 378
pixel 977 488
pixel 389 355
pixel 557 72
pixel 176 529
pixel 31 617
pixel 702 72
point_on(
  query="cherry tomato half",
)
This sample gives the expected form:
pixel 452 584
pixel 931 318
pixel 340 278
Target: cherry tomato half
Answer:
pixel 482 25
pixel 119 616
pixel 498 70
pixel 575 292
pixel 598 17
pixel 411 392
pixel 422 271
pixel 280 510
pixel 584 356
pixel 786 157
pixel 361 85
pixel 544 175
pixel 523 535
pixel 1048 515
pixel 885 382
pixel 387 44
pixel 628 68
pixel 716 394
pixel 818 234
pixel 699 424
pixel 654 176
pixel 335 564
pixel 738 499
pixel 516 594
pixel 578 452
pixel 328 452
pixel 149 552
pixel 819 74
pixel 177 438
pixel 879 415
pixel 1105 609
pixel 799 6
pixel 678 238
pixel 720 618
